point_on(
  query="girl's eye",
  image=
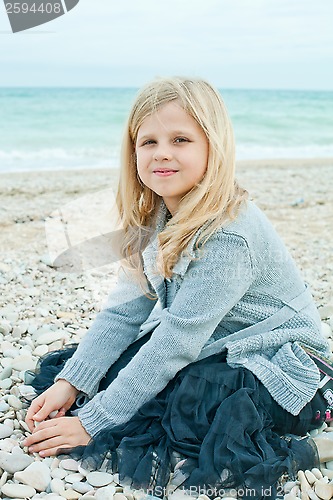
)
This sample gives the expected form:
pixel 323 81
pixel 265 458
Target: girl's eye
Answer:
pixel 149 141
pixel 181 139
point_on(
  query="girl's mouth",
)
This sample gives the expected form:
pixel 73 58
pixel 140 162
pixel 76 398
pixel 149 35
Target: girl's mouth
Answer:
pixel 165 173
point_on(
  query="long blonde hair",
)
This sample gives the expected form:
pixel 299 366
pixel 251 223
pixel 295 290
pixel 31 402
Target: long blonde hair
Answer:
pixel 216 198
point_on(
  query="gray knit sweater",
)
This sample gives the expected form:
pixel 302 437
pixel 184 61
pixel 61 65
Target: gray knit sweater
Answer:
pixel 244 276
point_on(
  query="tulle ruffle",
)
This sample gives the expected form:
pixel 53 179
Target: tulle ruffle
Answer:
pixel 221 422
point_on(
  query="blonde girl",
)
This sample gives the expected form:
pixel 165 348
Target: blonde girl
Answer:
pixel 195 375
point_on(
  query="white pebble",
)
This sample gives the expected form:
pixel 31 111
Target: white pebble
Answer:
pixel 81 487
pixel 105 493
pixel 5 362
pixel 49 338
pixel 7 444
pixel 36 475
pixel 41 350
pixel 18 491
pixel 3 479
pixel 4 406
pixel 57 485
pixel 317 473
pixel 99 479
pixel 73 478
pixel 6 383
pixel 11 353
pixel 6 373
pixel 17 451
pixel 326 330
pixel 328 473
pixel 70 494
pixel 23 362
pixel 326 311
pixel 324 490
pixel 58 473
pixel 5 431
pixel 69 464
pixel 121 496
pixel 14 402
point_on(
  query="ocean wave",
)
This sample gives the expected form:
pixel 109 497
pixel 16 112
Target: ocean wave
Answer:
pixel 85 158
pixel 260 152
pixel 57 159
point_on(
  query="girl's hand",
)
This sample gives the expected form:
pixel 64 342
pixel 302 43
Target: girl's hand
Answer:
pixel 59 397
pixel 63 432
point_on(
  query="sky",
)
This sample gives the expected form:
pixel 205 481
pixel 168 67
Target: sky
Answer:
pixel 268 44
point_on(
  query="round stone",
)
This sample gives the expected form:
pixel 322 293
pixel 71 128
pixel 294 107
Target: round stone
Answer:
pixel 99 479
pixel 4 406
pixel 326 330
pixel 14 463
pixel 324 490
pixel 82 487
pixel 6 383
pixel 5 327
pixel 7 444
pixel 5 431
pixel 69 464
pixel 326 311
pixel 14 402
pixel 5 373
pixel 48 338
pixel 58 473
pixel 57 485
pixel 105 493
pixel 36 475
pixel 41 350
pixel 71 494
pixel 23 362
pixel 73 478
pixel 18 490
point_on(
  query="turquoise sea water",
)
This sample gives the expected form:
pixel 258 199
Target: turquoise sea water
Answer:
pixel 59 128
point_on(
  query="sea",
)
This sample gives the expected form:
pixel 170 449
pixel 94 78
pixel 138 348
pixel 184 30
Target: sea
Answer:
pixel 80 128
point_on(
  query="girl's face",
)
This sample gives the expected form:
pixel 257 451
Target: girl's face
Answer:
pixel 171 152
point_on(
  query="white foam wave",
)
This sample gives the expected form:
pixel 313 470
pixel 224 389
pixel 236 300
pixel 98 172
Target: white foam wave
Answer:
pixel 64 159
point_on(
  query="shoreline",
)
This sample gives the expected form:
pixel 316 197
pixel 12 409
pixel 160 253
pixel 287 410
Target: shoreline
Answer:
pixel 260 163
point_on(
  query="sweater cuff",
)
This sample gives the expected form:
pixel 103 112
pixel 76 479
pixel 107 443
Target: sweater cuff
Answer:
pixel 82 376
pixel 94 418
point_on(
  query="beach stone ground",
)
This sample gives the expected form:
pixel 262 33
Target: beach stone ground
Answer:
pixel 43 308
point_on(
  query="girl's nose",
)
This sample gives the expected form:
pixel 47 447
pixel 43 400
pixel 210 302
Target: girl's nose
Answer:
pixel 162 154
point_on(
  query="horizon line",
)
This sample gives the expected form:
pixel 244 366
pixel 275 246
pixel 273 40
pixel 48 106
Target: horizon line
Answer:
pixel 95 87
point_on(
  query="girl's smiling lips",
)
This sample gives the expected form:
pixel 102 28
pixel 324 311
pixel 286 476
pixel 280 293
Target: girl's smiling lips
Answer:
pixel 164 172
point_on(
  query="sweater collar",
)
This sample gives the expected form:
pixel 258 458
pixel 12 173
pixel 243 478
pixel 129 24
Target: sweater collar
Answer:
pixel 150 253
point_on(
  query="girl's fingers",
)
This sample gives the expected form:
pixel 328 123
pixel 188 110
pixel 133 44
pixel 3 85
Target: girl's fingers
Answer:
pixel 61 413
pixel 52 451
pixel 35 407
pixel 42 433
pixel 49 444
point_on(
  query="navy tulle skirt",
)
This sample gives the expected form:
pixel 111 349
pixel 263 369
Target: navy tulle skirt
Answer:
pixel 219 423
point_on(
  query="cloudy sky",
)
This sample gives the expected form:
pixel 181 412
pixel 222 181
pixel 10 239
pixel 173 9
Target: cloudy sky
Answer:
pixel 284 44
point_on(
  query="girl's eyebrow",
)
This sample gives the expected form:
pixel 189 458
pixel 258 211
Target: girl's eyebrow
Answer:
pixel 144 137
pixel 172 132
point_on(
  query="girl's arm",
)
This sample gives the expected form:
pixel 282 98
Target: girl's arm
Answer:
pixel 211 287
pixel 113 330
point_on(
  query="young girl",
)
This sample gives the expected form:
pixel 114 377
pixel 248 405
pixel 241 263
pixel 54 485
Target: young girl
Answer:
pixel 197 362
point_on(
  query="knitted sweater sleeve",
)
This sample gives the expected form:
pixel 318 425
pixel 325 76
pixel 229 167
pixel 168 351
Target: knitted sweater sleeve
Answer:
pixel 113 330
pixel 211 286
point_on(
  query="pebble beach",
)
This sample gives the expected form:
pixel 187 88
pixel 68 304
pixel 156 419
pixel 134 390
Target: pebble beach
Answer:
pixel 43 307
